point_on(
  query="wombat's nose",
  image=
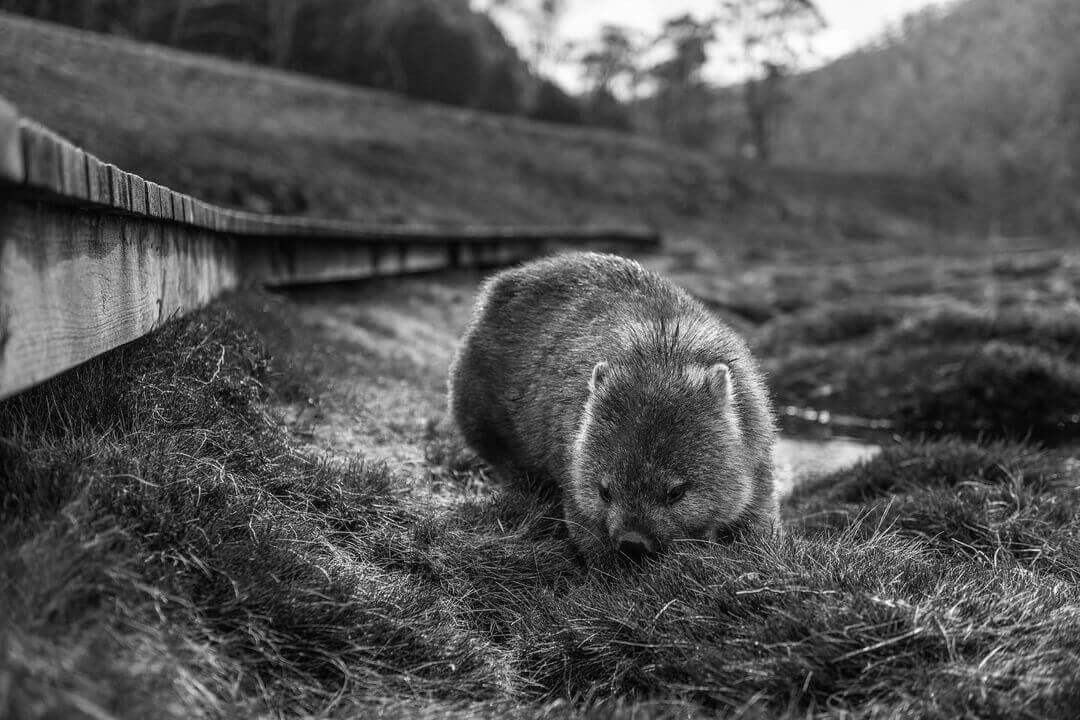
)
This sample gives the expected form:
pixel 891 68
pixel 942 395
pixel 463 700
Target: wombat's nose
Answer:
pixel 636 546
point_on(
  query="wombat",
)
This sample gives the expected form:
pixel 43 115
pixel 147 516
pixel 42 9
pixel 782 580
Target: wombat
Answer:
pixel 650 414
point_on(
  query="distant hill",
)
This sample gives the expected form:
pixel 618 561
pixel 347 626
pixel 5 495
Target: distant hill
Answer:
pixel 985 93
pixel 431 49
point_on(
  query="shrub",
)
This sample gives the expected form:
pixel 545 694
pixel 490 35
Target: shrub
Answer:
pixel 553 104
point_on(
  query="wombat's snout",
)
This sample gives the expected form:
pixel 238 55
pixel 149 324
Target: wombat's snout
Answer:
pixel 636 546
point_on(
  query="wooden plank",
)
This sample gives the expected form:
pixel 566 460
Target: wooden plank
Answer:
pixel 73 172
pixel 137 190
pixel 11 155
pixel 164 202
pixel 200 213
pixel 50 163
pixel 119 189
pixel 177 206
pixel 92 257
pixel 74 285
pixel 98 191
pixel 153 200
pixel 41 151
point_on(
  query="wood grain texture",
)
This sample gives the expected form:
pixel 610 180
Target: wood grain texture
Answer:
pixel 11 159
pixel 92 257
pixel 75 284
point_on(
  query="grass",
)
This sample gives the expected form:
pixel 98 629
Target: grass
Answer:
pixel 169 549
pixel 181 535
pixel 935 347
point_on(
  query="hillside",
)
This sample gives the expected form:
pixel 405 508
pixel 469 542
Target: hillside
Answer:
pixel 376 43
pixel 269 140
pixel 982 91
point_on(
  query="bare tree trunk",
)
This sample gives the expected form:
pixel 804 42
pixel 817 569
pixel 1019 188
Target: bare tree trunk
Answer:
pixel 764 100
pixel 756 118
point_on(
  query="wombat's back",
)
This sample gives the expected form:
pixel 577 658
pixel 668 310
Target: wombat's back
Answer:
pixel 519 383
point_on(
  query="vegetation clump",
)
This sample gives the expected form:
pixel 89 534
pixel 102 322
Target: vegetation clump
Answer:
pixel 934 366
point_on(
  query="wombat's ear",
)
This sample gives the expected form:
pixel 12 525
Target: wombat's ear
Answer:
pixel 719 378
pixel 600 373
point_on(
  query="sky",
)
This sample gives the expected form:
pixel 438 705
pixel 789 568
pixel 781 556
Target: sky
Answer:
pixel 851 23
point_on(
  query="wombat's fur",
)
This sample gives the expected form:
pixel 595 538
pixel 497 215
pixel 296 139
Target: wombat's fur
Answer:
pixel 651 415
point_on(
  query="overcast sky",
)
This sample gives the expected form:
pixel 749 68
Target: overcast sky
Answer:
pixel 851 22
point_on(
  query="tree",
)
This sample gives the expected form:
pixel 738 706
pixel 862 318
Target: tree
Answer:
pixel 541 17
pixel 441 50
pixel 408 42
pixel 682 95
pixel 763 101
pixel 612 72
pixel 553 104
pixel 233 28
pixel 767 37
pixel 613 58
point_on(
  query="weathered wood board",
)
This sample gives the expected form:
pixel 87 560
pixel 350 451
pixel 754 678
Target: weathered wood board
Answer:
pixel 92 257
pixel 11 162
pixel 45 163
pixel 75 284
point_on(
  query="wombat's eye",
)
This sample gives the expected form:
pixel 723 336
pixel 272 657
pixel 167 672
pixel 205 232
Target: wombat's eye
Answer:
pixel 676 494
pixel 605 492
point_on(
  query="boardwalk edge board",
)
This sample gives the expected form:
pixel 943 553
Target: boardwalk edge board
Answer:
pixel 44 162
pixel 92 256
pixel 11 159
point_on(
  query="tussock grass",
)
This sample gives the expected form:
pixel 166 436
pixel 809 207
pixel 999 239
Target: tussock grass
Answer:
pixel 168 551
pixel 829 323
pixel 953 370
pixel 1054 330
pixel 1021 266
pixel 1009 505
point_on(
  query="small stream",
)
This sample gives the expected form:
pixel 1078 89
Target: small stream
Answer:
pixel 800 459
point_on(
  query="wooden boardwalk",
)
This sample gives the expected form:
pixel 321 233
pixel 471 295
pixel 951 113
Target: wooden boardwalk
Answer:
pixel 92 257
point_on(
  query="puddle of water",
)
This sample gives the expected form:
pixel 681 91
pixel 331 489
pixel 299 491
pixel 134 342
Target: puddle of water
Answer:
pixel 798 460
pixel 834 420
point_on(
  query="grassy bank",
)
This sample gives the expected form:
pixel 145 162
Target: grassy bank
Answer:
pixel 266 140
pixel 169 548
